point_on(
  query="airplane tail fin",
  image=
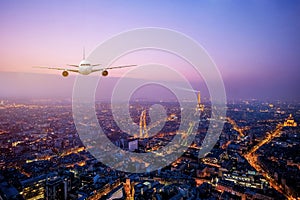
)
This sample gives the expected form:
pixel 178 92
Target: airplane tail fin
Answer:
pixel 83 54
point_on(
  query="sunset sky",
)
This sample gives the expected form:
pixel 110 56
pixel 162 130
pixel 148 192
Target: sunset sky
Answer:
pixel 255 44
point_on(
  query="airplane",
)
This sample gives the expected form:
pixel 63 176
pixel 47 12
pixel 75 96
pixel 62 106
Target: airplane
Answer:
pixel 85 68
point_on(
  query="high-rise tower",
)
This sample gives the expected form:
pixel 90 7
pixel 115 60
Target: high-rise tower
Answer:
pixel 200 106
pixel 143 125
pixel 56 188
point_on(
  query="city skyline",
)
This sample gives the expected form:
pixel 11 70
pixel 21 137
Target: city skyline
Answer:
pixel 255 157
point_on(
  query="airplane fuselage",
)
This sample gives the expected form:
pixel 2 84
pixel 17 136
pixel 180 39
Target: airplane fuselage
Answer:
pixel 85 67
pixel 85 70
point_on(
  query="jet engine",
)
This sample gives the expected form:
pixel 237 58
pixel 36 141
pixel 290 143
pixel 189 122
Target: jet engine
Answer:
pixel 65 73
pixel 104 73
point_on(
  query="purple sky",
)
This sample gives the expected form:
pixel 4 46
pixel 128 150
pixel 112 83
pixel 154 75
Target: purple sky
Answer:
pixel 255 44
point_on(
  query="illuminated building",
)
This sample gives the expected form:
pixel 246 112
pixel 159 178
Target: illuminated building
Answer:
pixel 129 190
pixel 290 122
pixel 56 188
pixel 34 188
pixel 143 125
pixel 200 106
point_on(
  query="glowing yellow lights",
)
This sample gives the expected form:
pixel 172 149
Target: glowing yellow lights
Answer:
pixel 200 106
pixel 82 163
pixel 271 105
pixel 14 144
pixel 290 122
pixel 143 125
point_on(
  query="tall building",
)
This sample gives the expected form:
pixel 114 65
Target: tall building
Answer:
pixel 200 106
pixel 143 125
pixel 56 188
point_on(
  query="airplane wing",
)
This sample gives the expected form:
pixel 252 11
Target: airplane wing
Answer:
pixel 56 68
pixel 116 67
pixel 73 65
pixel 97 70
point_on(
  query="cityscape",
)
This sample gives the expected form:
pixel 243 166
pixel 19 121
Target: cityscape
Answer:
pixel 256 156
pixel 149 100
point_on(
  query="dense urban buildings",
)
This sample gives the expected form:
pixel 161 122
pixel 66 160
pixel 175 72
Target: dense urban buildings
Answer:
pixel 256 156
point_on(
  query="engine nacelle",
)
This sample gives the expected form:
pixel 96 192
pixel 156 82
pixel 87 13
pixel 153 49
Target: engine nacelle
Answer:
pixel 104 73
pixel 65 73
